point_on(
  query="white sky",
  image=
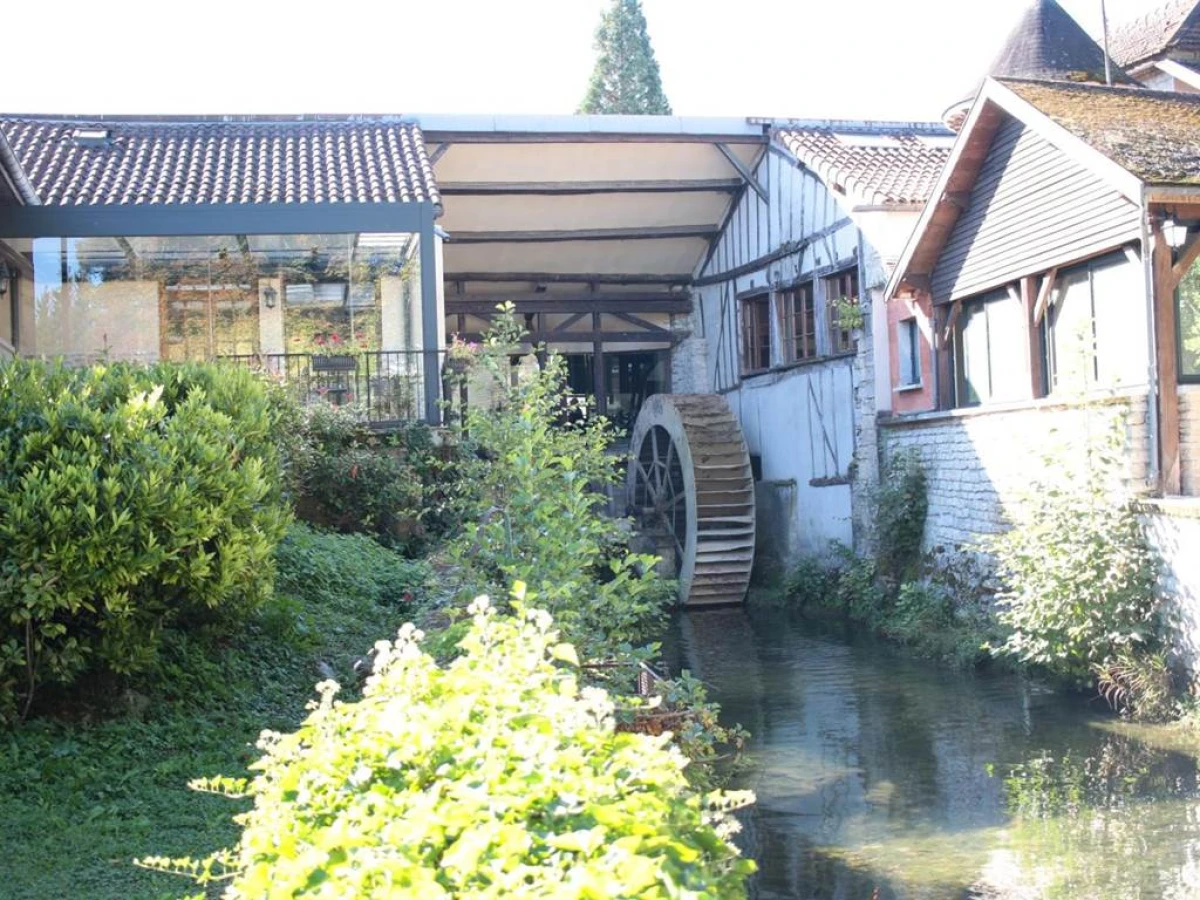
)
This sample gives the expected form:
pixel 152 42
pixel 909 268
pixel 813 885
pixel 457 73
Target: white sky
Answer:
pixel 894 59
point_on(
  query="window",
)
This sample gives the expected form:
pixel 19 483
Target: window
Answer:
pixel 798 323
pixel 841 294
pixel 756 333
pixel 1095 331
pixel 909 348
pixel 989 355
pixel 1188 299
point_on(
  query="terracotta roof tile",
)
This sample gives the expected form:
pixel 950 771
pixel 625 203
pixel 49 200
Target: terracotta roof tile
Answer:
pixel 877 163
pixel 1175 23
pixel 1155 135
pixel 175 162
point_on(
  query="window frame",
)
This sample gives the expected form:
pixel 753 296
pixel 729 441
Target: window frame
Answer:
pixel 958 372
pixel 758 300
pixel 789 315
pixel 841 340
pixel 908 331
pixel 1181 376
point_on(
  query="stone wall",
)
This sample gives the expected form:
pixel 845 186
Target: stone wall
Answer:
pixel 689 366
pixel 1189 438
pixel 1174 530
pixel 981 461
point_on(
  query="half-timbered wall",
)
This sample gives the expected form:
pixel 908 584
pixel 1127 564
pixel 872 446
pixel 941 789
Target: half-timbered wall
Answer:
pixel 812 422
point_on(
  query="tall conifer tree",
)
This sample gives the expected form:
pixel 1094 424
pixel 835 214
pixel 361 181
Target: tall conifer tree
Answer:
pixel 626 78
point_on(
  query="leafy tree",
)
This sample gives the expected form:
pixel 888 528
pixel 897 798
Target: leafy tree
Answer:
pixel 626 79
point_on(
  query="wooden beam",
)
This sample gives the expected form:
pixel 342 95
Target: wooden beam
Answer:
pixel 650 232
pixel 589 337
pixel 1167 363
pixel 438 152
pixel 1042 303
pixel 587 137
pixel 782 252
pixel 639 322
pixel 918 282
pixel 1188 254
pixel 569 278
pixel 746 174
pixel 485 304
pixel 960 199
pixel 1033 339
pixel 670 186
pixel 599 368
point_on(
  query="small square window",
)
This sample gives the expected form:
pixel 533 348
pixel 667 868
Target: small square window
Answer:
pixel 909 351
pixel 756 333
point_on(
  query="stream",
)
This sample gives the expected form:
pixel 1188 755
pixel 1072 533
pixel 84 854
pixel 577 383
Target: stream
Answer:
pixel 885 778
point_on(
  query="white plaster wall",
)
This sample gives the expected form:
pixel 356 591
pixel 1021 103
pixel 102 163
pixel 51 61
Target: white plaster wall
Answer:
pixel 980 462
pixel 270 319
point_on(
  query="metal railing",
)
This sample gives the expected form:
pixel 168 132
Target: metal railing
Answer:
pixel 381 386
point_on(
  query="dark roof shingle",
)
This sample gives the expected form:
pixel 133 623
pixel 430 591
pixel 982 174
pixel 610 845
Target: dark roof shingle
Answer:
pixel 1047 44
pixel 1155 135
pixel 890 164
pixel 200 162
pixel 1173 24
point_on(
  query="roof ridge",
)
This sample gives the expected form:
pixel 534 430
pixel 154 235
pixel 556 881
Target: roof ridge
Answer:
pixel 856 125
pixel 217 119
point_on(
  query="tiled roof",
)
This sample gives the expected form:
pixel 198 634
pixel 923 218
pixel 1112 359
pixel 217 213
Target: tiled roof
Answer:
pixel 1047 44
pixel 1174 23
pixel 177 162
pixel 1155 135
pixel 877 164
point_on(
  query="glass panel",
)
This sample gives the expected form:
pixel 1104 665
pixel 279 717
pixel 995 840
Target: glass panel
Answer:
pixel 910 360
pixel 1118 300
pixel 1189 323
pixel 974 381
pixel 1006 353
pixel 203 297
pixel 1072 338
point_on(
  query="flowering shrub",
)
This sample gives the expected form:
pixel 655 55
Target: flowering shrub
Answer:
pixel 498 776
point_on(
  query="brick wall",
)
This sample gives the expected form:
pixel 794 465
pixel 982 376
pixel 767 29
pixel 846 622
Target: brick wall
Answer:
pixel 980 462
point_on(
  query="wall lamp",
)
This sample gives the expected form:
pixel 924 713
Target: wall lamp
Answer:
pixel 5 275
pixel 270 296
pixel 1175 233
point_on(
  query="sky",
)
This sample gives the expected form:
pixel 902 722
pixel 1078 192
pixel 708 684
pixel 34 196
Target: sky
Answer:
pixel 883 59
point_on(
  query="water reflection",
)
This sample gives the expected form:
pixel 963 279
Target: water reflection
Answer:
pixel 880 777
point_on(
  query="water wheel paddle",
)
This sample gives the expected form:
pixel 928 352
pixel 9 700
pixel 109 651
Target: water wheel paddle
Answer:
pixel 690 483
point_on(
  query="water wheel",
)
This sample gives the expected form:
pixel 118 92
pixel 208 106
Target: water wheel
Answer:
pixel 690 484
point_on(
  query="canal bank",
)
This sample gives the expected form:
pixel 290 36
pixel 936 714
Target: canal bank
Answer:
pixel 881 776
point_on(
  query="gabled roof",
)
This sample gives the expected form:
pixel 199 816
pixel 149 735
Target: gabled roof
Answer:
pixel 1000 100
pixel 15 188
pixel 1047 44
pixel 1173 26
pixel 877 163
pixel 234 160
pixel 1154 135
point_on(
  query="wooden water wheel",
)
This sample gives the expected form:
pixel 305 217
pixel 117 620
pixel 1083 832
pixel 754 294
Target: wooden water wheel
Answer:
pixel 690 483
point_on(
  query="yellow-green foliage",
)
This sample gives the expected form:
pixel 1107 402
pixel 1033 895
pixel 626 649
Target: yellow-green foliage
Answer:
pixel 133 498
pixel 497 776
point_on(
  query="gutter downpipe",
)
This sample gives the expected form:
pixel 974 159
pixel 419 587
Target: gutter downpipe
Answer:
pixel 1152 342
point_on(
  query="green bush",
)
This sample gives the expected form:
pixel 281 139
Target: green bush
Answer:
pixel 535 508
pixel 495 776
pixel 347 477
pixel 901 505
pixel 1079 577
pixel 134 499
pixel 318 567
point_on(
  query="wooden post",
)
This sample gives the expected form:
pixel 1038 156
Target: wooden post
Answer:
pixel 1167 363
pixel 599 369
pixel 1033 338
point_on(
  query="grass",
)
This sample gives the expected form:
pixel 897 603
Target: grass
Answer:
pixel 80 799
